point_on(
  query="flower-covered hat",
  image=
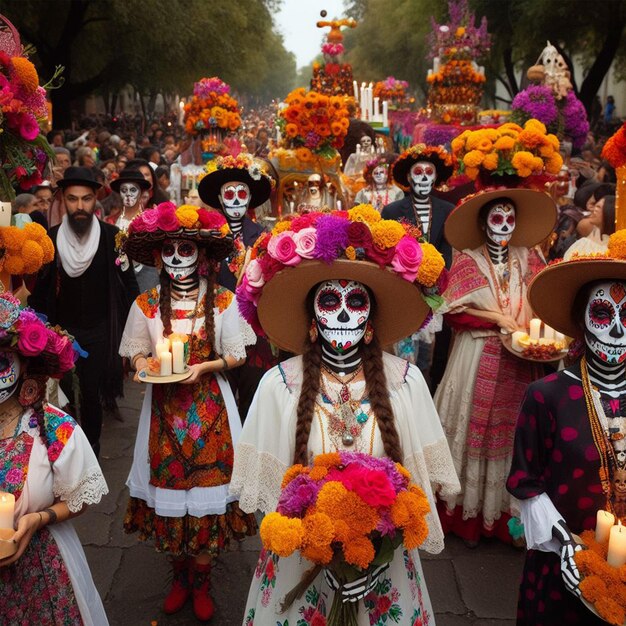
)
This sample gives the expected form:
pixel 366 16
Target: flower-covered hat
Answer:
pixel 404 275
pixel 241 168
pixel 438 156
pixel 535 218
pixel 148 231
pixel 553 290
pixel 50 351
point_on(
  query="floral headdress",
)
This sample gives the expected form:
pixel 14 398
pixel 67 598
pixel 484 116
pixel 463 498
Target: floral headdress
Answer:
pixel 356 244
pixel 437 155
pixel 242 168
pixel 384 160
pixel 211 106
pixel 50 350
pixel 146 233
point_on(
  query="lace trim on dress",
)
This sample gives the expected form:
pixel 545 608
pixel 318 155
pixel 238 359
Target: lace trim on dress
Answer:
pixel 236 347
pixel 89 490
pixel 129 347
pixel 257 479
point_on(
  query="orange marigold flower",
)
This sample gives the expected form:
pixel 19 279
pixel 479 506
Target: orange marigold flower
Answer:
pixel 617 244
pixel 359 552
pixel 32 255
pixel 471 172
pixel 282 535
pixel 291 130
pixel 415 535
pixel 387 233
pixel 505 142
pixel 473 158
pixel 554 141
pixel 281 227
pixel 187 215
pixel 350 253
pixel 26 74
pixel 319 530
pixel 304 155
pixel 364 213
pixel 490 162
pixel 331 459
pixel 12 263
pixel 610 611
pixel 530 138
pixel 294 470
pixel 321 556
pixel 536 125
pixel 318 473
pixel 404 472
pixel 343 531
pixel 431 266
pixel 593 588
pixel 554 163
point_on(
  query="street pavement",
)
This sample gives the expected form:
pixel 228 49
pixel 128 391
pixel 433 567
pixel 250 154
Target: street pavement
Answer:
pixel 467 587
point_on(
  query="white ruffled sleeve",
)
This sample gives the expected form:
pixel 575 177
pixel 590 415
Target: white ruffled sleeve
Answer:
pixel 78 479
pixel 136 337
pixel 425 448
pixel 539 515
pixel 266 445
pixel 234 333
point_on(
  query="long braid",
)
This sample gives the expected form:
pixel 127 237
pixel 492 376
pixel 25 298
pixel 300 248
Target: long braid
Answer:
pixel 311 372
pixel 209 302
pixel 378 395
pixel 165 303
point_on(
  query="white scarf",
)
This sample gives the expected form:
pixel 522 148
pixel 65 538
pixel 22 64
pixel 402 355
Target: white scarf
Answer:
pixel 77 253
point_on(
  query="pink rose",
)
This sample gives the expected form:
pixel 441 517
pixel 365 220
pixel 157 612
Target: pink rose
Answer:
pixel 251 293
pixel 56 343
pixel 29 129
pixel 254 274
pixel 33 338
pixel 407 258
pixel 305 242
pixel 167 219
pixel 270 266
pixel 148 221
pixel 282 247
pixel 67 358
pixel 210 220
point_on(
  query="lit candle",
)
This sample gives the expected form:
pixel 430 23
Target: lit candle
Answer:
pixel 7 509
pixel 548 332
pixel 604 523
pixel 178 356
pixel 166 363
pixel 356 90
pixel 515 337
pixel 617 546
pixel 385 113
pixel 535 329
pixel 338 205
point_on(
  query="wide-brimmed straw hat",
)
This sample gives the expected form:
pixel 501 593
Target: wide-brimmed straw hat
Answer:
pixel 147 232
pixel 535 218
pixel 553 291
pixel 384 255
pixel 438 156
pixel 229 169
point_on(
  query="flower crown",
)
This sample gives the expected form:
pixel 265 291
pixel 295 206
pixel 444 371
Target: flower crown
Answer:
pixel 241 162
pixel 51 349
pixel 427 152
pixel 359 234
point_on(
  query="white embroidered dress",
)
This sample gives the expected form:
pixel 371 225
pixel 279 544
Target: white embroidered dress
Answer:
pixel 266 450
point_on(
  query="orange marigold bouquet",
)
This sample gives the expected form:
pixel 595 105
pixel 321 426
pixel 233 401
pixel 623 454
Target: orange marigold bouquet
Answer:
pixel 614 150
pixel 211 106
pixel 313 123
pixel 508 150
pixel 347 514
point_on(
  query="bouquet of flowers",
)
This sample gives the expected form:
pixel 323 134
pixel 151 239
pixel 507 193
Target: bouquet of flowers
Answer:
pixel 347 514
pixel 614 150
pixel 391 89
pixel 24 151
pixel 313 123
pixel 565 117
pixel 508 150
pixel 211 107
pixel 24 250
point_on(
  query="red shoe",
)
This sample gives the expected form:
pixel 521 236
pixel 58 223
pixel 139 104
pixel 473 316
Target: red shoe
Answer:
pixel 203 606
pixel 181 589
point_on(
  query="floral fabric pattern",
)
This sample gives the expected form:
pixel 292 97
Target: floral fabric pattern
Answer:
pixel 14 458
pixel 382 603
pixel 266 568
pixel 40 576
pixel 148 302
pixel 59 428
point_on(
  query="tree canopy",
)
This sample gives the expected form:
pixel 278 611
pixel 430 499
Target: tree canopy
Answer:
pixel 154 46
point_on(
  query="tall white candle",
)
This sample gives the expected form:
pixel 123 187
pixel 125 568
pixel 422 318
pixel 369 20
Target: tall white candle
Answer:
pixel 617 546
pixel 515 337
pixel 385 113
pixel 370 105
pixel 7 509
pixel 338 205
pixel 535 329
pixel 162 346
pixel 604 523
pixel 178 356
pixel 362 103
pixel 356 90
pixel 436 64
pixel 166 363
pixel 377 109
pixel 548 332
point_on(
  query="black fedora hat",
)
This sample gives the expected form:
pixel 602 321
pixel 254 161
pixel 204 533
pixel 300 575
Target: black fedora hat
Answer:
pixel 78 176
pixel 132 176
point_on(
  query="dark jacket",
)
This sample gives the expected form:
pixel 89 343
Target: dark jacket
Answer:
pixel 250 231
pixel 403 210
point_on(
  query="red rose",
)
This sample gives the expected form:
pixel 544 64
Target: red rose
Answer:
pixel 269 266
pixel 359 235
pixel 380 256
pixel 67 358
pixel 384 604
pixel 318 619
pixel 211 220
pixel 167 219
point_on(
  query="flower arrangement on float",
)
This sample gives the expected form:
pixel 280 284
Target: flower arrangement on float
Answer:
pixel 24 151
pixel 614 151
pixel 358 234
pixel 508 150
pixel 347 513
pixel 391 89
pixel 313 124
pixel 211 107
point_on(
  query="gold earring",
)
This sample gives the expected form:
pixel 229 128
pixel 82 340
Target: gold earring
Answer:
pixel 313 331
pixel 369 333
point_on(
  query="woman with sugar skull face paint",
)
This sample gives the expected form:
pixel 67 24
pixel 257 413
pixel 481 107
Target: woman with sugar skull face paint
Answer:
pixel 184 451
pixel 380 190
pixel 570 453
pixel 342 394
pixel 484 384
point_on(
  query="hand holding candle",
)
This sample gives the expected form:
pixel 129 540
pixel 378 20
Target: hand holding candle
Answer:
pixel 7 510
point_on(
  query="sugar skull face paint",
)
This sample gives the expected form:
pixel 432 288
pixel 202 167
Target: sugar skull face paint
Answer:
pixel 180 258
pixel 342 308
pixel 9 374
pixel 501 222
pixel 423 175
pixel 605 321
pixel 380 174
pixel 235 199
pixel 130 194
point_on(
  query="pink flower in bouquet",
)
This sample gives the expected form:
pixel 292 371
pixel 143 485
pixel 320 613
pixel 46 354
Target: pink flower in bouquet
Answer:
pixel 148 221
pixel 167 219
pixel 67 358
pixel 407 258
pixel 282 247
pixel 379 255
pixel 254 275
pixel 210 220
pixel 270 266
pixel 55 343
pixel 372 486
pixel 33 338
pixel 303 221
pixel 29 129
pixel 250 293
pixel 34 179
pixel 305 242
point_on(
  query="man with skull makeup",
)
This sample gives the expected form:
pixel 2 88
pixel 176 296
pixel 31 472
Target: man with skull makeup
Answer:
pixel 183 457
pixel 88 293
pixel 570 454
pixel 483 384
pixel 380 190
pixel 237 186
pixel 342 394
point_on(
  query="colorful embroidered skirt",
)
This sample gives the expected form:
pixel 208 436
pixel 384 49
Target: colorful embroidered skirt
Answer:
pixel 189 535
